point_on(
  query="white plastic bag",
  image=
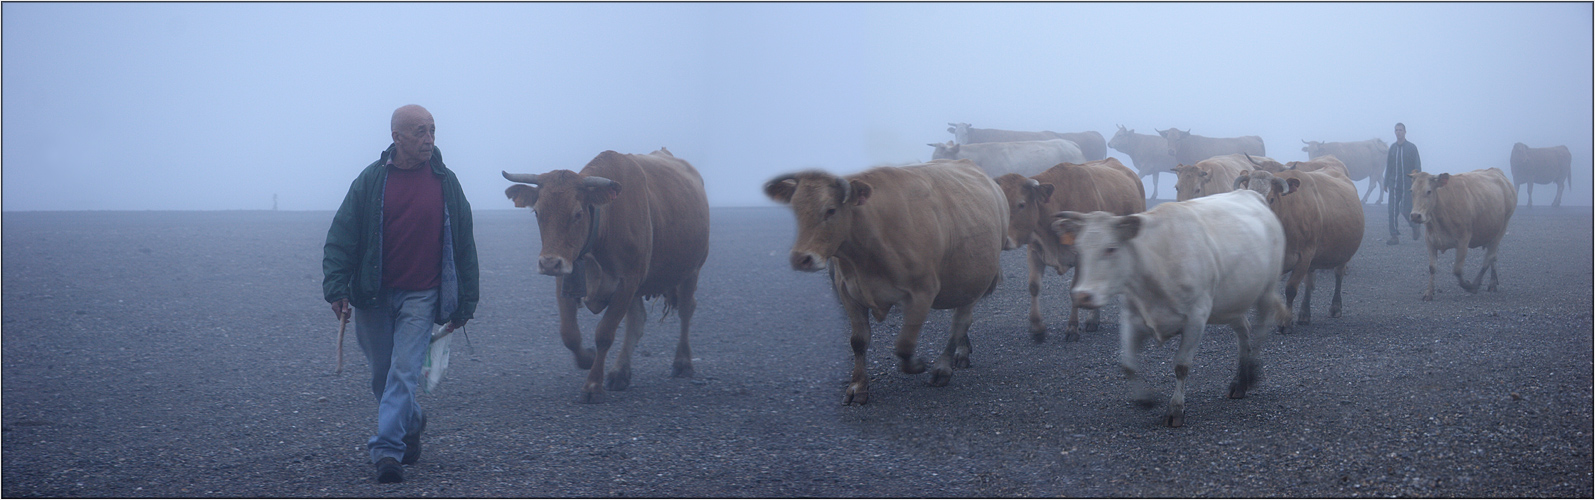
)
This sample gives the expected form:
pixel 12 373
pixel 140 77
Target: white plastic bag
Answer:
pixel 437 359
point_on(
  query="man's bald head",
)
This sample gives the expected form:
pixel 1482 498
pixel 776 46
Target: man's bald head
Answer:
pixel 409 114
pixel 413 132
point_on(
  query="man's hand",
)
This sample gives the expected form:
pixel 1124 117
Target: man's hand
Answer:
pixel 340 307
pixel 449 328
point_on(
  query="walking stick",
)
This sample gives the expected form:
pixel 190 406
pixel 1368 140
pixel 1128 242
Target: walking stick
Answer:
pixel 343 321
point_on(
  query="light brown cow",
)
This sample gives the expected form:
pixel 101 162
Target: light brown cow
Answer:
pixel 1212 176
pixel 1541 166
pixel 1329 162
pixel 1105 185
pixel 1362 159
pixel 1091 143
pixel 611 246
pixel 1323 223
pixel 1187 148
pixel 1149 153
pixel 1462 211
pixel 922 237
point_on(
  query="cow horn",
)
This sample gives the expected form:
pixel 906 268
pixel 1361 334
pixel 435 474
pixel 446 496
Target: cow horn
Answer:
pixel 592 182
pixel 1249 158
pixel 846 188
pixel 526 178
pixel 1304 141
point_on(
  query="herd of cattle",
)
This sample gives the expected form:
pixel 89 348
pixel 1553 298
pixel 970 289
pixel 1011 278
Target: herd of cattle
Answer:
pixel 929 236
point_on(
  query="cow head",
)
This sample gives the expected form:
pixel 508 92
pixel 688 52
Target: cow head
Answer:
pixel 1174 136
pixel 1273 188
pixel 944 151
pixel 564 203
pixel 1102 244
pixel 1425 192
pixel 1267 164
pixel 1191 182
pixel 1313 149
pixel 960 132
pixel 1121 139
pixel 824 205
pixel 1026 197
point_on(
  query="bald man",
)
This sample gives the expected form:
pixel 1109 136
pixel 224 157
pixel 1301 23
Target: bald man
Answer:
pixel 401 252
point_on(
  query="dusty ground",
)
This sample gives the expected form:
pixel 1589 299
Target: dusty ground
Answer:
pixel 186 354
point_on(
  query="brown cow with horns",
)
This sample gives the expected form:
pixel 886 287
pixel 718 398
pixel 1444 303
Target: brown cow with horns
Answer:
pixel 626 228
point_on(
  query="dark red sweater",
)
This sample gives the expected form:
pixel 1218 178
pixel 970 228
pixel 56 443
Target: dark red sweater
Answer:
pixel 412 229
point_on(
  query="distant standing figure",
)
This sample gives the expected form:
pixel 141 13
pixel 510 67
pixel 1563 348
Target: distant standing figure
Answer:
pixel 1401 162
pixel 401 251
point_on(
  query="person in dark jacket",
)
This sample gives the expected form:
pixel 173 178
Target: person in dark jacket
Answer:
pixel 401 252
pixel 1401 162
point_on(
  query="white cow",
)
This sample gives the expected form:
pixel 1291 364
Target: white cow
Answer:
pixel 1025 158
pixel 1180 267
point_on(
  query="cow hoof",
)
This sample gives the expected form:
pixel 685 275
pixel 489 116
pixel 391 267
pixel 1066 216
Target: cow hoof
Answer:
pixel 682 370
pixel 1304 321
pixel 1174 419
pixel 1237 391
pixel 588 398
pixel 940 377
pixel 1091 327
pixel 1283 329
pixel 912 366
pixel 1427 297
pixel 584 359
pixel 1071 335
pixel 961 361
pixel 855 396
pixel 1334 312
pixel 617 380
pixel 1038 333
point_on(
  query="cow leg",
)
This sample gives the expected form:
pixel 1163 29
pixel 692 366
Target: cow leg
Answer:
pixel 1247 369
pixel 858 320
pixel 1531 194
pixel 1305 317
pixel 569 330
pixel 1190 337
pixel 1154 185
pixel 603 339
pixel 1334 305
pixel 1489 263
pixel 1132 338
pixel 1372 182
pixel 686 304
pixel 1462 258
pixel 957 353
pixel 619 377
pixel 1038 268
pixel 1371 186
pixel 1434 255
pixel 1558 201
pixel 914 313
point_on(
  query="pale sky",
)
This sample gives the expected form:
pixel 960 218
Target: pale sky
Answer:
pixel 182 106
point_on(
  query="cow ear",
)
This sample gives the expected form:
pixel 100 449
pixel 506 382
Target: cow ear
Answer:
pixel 858 192
pixel 1067 226
pixel 1441 180
pixel 1202 173
pixel 1044 191
pixel 1292 186
pixel 523 195
pixel 781 189
pixel 600 191
pixel 1127 227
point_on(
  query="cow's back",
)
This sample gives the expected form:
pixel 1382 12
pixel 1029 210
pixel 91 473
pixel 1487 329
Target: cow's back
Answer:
pixel 1195 148
pixel 1092 146
pixel 1325 213
pixel 1104 185
pixel 662 204
pixel 1482 206
pixel 1223 169
pixel 1228 246
pixel 1540 165
pixel 945 218
pixel 1025 158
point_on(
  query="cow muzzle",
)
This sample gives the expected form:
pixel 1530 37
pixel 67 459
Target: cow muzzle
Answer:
pixel 1087 300
pixel 1416 218
pixel 807 261
pixel 553 265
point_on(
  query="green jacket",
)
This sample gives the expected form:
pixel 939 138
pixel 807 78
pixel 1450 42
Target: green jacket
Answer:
pixel 352 258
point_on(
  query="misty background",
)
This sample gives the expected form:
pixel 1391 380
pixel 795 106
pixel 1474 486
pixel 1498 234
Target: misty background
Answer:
pixel 179 106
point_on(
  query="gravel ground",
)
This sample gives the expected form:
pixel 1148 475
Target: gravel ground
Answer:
pixel 185 354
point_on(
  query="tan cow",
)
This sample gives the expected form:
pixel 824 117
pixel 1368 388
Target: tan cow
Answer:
pixel 922 237
pixel 1462 211
pixel 1362 159
pixel 1149 153
pixel 1320 163
pixel 1212 176
pixel 626 228
pixel 1541 166
pixel 1323 223
pixel 1104 185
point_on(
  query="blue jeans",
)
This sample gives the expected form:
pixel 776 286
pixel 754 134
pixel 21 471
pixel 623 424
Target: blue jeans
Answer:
pixel 395 336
